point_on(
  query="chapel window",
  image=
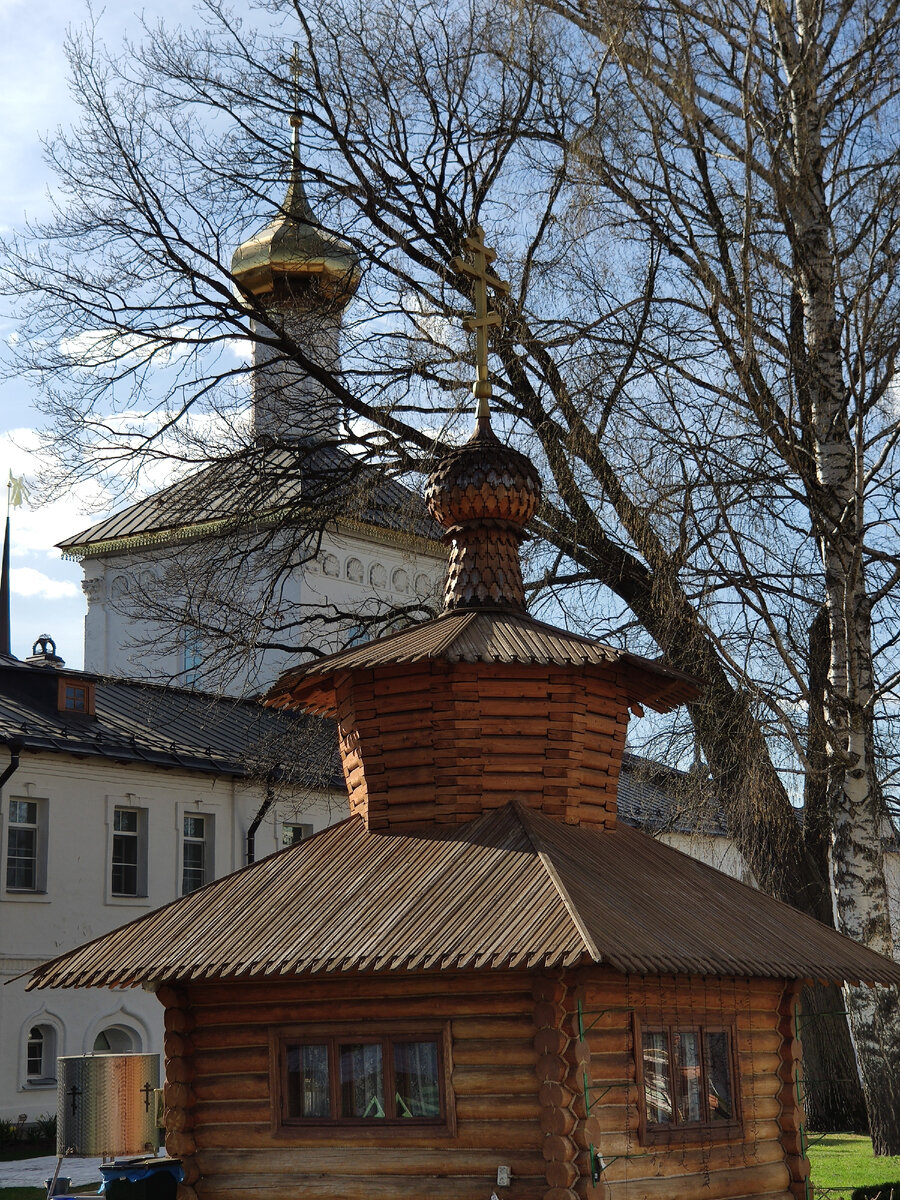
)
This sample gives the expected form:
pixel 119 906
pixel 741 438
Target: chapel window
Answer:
pixel 689 1080
pixel 375 1077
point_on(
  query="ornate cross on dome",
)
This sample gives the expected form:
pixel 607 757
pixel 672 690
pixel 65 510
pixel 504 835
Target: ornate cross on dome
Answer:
pixel 295 62
pixel 476 268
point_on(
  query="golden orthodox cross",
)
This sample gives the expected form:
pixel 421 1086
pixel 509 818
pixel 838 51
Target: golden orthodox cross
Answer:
pixel 295 62
pixel 475 265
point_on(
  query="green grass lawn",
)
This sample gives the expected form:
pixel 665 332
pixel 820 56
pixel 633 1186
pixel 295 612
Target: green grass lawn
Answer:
pixel 844 1161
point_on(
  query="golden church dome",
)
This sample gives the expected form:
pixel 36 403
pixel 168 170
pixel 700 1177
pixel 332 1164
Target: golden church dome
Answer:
pixel 292 260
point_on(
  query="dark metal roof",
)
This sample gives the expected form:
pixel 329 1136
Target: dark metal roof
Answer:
pixel 513 888
pixel 165 726
pixel 490 636
pixel 261 483
pixel 661 799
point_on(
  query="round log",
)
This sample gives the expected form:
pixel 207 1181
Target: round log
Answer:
pixel 562 1174
pixel 180 1144
pixel 191 1170
pixel 177 1045
pixel 560 1121
pixel 179 1070
pixel 559 1149
pixel 177 1120
pixel 551 1066
pixel 178 1020
pixel 178 1095
pixel 553 990
pixel 555 1095
pixel 550 1041
pixel 548 1016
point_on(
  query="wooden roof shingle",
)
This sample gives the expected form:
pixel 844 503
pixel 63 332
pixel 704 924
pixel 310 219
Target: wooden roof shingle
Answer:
pixel 513 888
pixel 486 635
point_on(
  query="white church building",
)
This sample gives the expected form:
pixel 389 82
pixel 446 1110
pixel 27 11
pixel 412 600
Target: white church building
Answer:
pixel 121 792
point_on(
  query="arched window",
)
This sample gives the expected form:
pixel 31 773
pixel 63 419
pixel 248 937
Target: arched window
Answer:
pixel 40 1054
pixel 117 1039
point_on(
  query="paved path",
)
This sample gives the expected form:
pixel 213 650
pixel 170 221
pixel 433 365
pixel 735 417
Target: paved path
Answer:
pixel 31 1172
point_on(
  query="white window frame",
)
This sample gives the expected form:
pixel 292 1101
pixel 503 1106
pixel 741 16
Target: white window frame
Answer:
pixel 138 805
pixel 54 1046
pixel 40 828
pixel 208 841
pixel 307 827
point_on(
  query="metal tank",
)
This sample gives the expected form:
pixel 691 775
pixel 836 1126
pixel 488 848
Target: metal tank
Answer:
pixel 106 1104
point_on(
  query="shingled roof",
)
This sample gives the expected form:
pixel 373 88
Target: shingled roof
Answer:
pixel 512 888
pixel 268 482
pixel 487 635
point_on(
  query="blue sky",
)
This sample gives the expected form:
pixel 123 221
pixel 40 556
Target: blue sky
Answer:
pixel 46 591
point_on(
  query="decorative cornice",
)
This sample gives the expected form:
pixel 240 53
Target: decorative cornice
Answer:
pixel 187 533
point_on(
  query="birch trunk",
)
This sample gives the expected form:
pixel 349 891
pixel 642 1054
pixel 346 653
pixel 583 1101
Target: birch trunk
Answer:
pixel 855 803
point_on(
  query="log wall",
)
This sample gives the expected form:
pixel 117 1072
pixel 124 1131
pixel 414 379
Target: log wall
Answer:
pixel 517 1075
pixel 753 1162
pixel 493 1077
pixel 442 742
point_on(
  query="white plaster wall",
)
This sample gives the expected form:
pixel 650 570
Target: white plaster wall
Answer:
pixel 353 572
pixel 718 852
pixel 78 796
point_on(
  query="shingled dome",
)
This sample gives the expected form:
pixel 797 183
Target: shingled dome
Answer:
pixel 484 494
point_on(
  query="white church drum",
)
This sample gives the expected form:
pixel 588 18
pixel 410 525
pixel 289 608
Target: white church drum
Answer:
pixel 106 1104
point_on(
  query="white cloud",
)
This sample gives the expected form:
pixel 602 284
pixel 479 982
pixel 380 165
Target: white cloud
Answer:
pixel 26 581
pixel 97 347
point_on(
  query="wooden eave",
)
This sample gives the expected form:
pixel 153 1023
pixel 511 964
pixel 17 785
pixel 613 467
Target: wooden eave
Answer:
pixel 489 636
pixel 511 889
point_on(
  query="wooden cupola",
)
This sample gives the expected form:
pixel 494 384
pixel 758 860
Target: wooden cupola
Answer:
pixel 483 705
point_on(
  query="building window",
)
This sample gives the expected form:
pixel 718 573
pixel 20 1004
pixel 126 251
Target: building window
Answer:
pixel 76 696
pixel 22 845
pixel 377 1077
pixel 35 1053
pixel 129 868
pixel 196 852
pixel 291 834
pixel 117 1039
pixel 688 1078
pixel 40 1055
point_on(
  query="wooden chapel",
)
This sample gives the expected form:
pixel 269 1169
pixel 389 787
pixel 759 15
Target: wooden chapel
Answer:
pixel 480 984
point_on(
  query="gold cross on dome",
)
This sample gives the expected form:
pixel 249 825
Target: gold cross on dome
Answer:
pixel 475 265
